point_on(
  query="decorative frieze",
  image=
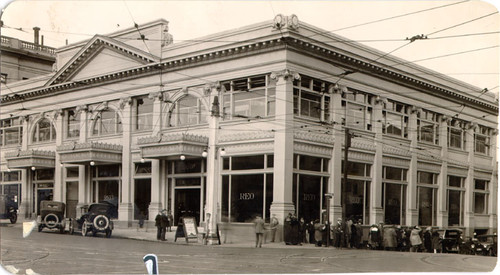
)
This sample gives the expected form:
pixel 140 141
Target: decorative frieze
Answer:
pixel 457 171
pixel 245 148
pixel 361 156
pixel 246 137
pixel 307 148
pixel 482 175
pixel 30 158
pixel 429 167
pixel 315 138
pixel 177 137
pixel 90 151
pixel 395 162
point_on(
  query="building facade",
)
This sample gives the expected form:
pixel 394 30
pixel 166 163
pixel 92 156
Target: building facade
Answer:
pixel 253 121
pixel 22 60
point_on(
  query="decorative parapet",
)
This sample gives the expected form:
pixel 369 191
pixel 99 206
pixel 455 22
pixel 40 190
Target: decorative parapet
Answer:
pixel 246 137
pixel 282 22
pixel 30 158
pixel 180 137
pixel 86 152
pixel 315 138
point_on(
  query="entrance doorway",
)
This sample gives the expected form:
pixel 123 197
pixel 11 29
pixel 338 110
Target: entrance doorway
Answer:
pixel 71 198
pixel 187 203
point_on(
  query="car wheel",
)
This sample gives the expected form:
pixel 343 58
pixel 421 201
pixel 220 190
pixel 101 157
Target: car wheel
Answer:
pixel 84 229
pixel 71 227
pixel 108 233
pixel 13 218
pixel 51 220
pixel 101 222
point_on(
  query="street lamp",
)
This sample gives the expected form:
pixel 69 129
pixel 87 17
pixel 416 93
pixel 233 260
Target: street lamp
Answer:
pixel 328 196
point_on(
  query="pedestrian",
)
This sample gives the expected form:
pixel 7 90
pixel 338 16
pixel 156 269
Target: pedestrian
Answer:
pixel 338 233
pixel 359 234
pixel 399 238
pixel 259 231
pixel 163 224
pixel 390 238
pixel 310 230
pixel 374 236
pixel 348 233
pixel 436 241
pixel 318 232
pixel 158 226
pixel 428 239
pixel 170 218
pixel 415 239
pixel 302 231
pixel 381 230
pixel 273 226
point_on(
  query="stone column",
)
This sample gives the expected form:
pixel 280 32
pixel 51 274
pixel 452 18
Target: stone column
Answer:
pixel 442 212
pixel 83 178
pixel 412 189
pixel 25 209
pixel 376 203
pixel 126 209
pixel 59 186
pixel 156 185
pixel 283 146
pixel 493 186
pixel 469 182
pixel 335 185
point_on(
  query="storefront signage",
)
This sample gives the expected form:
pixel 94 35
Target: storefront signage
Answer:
pixel 309 197
pixel 247 196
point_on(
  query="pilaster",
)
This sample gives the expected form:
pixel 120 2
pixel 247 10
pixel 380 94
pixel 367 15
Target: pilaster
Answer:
pixel 376 210
pixel 469 182
pixel 335 183
pixel 155 206
pixel 59 187
pixel 442 208
pixel 412 190
pixel 493 186
pixel 283 145
pixel 125 209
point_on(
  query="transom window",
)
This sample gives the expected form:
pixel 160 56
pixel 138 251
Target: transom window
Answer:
pixel 395 119
pixel 187 111
pixel 456 134
pixel 144 113
pixel 251 97
pixel 482 140
pixel 44 131
pixel 428 127
pixel 107 122
pixel 72 123
pixel 11 131
pixel 310 98
pixel 357 109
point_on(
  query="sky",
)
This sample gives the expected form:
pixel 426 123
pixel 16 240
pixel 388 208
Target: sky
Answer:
pixel 462 37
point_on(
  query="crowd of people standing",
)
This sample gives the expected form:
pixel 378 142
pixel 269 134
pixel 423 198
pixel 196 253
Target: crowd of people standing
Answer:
pixel 348 233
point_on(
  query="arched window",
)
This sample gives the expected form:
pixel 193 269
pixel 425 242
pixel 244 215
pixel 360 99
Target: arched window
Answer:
pixel 107 122
pixel 44 131
pixel 188 111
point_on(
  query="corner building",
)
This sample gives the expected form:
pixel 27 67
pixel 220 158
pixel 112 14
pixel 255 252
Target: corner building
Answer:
pixel 252 121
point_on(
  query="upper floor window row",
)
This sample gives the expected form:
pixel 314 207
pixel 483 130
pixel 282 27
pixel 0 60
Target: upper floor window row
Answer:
pixel 395 120
pixel 311 98
pixel 11 131
pixel 428 127
pixel 357 109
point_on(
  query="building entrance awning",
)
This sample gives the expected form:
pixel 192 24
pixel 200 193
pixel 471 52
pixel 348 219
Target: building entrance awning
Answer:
pixel 31 158
pixel 93 153
pixel 173 145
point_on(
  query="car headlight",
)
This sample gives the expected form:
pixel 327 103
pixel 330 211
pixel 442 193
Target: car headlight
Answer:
pixel 472 246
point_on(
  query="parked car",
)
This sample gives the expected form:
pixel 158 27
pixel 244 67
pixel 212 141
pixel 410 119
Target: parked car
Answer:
pixel 97 219
pixel 52 216
pixel 486 245
pixel 8 208
pixel 451 240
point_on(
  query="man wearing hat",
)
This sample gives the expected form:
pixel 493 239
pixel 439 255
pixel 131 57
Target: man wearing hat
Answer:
pixel 339 233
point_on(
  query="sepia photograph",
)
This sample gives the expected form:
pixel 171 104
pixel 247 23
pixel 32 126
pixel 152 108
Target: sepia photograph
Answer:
pixel 249 137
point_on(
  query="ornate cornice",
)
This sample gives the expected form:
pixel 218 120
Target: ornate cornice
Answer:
pixel 307 47
pixel 89 146
pixel 314 138
pixel 178 137
pixel 30 153
pixel 246 137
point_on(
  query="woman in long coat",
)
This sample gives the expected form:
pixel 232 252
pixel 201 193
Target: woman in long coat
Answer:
pixel 318 232
pixel 415 239
pixel 390 241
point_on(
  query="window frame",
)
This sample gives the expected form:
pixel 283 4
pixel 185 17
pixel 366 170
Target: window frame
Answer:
pixel 352 98
pixel 97 125
pixel 483 132
pixel 6 126
pixel 456 129
pixel 143 113
pixel 312 87
pixel 401 110
pixel 484 193
pixel 36 134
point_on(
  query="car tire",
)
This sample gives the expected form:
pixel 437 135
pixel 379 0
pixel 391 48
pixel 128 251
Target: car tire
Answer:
pixel 108 233
pixel 101 222
pixel 51 220
pixel 84 229
pixel 71 227
pixel 13 218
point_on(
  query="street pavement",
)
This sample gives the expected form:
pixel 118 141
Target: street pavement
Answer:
pixel 53 253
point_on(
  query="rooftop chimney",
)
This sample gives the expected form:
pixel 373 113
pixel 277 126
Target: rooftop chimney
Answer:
pixel 37 32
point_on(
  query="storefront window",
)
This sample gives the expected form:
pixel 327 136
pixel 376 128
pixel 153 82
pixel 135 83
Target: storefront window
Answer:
pixel 394 194
pixel 481 194
pixel 427 189
pixel 187 166
pixel 247 197
pixel 454 208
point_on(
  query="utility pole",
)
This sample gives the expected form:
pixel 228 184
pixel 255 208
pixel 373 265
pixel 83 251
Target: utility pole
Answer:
pixel 347 144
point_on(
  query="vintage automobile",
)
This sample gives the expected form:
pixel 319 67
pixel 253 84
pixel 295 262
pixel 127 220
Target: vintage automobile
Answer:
pixel 8 208
pixel 52 216
pixel 96 219
pixel 485 245
pixel 451 240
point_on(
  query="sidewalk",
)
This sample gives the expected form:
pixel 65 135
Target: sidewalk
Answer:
pixel 149 234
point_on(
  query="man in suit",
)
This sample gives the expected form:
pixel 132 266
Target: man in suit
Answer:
pixel 259 231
